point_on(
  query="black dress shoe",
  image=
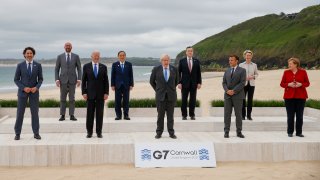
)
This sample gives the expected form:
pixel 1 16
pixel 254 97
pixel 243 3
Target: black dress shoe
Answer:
pixel 158 136
pixel 193 118
pixel 289 135
pixel 37 136
pixel 240 135
pixel 62 118
pixel 126 118
pixel 72 118
pixel 173 136
pixel 250 118
pixel 89 135
pixel 99 136
pixel 117 118
pixel 17 137
pixel 243 118
pixel 184 118
pixel 300 135
pixel 226 135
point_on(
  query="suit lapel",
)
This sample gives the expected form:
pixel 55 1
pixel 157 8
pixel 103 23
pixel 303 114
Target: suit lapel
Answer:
pixel 34 68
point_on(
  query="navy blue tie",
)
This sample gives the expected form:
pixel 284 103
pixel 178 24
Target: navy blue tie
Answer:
pixel 68 59
pixel 95 70
pixel 29 69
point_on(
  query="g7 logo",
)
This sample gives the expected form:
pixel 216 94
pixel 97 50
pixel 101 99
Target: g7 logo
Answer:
pixel 158 154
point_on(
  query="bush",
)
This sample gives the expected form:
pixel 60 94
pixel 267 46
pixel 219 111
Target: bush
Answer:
pixel 270 103
pixel 145 103
pixel 48 103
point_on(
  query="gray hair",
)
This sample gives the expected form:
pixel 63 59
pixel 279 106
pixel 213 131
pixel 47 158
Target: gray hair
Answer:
pixel 95 51
pixel 163 56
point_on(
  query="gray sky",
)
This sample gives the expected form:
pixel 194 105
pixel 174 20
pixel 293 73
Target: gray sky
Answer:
pixel 143 28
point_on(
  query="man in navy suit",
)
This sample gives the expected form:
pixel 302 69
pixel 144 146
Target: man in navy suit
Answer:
pixel 95 90
pixel 28 78
pixel 122 83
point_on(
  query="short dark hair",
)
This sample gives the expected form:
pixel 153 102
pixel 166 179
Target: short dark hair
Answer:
pixel 29 48
pixel 121 52
pixel 189 47
pixel 235 56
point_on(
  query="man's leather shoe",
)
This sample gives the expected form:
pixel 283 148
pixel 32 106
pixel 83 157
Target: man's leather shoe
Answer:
pixel 17 137
pixel 62 118
pixel 289 135
pixel 250 118
pixel 89 135
pixel 126 118
pixel 193 118
pixel 240 135
pixel 117 118
pixel 99 136
pixel 158 136
pixel 226 135
pixel 184 118
pixel 37 136
pixel 243 118
pixel 300 135
pixel 72 118
pixel 173 136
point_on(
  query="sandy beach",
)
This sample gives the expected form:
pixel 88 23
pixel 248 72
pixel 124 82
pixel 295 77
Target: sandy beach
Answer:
pixel 291 170
pixel 267 88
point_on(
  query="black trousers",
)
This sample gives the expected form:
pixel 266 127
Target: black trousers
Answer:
pixel 95 107
pixel 165 107
pixel 295 107
pixel 249 91
pixel 122 99
pixel 192 101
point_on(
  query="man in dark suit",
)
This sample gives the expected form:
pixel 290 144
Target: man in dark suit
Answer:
pixel 164 79
pixel 234 80
pixel 28 78
pixel 95 90
pixel 190 81
pixel 122 84
pixel 67 79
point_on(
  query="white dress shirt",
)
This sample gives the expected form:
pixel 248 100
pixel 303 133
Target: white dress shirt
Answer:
pixel 27 62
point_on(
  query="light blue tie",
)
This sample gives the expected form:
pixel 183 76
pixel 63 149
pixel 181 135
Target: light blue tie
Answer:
pixel 122 67
pixel 166 74
pixel 95 70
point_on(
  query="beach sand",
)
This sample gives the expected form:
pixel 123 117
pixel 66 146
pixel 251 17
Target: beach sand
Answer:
pixel 267 88
pixel 227 171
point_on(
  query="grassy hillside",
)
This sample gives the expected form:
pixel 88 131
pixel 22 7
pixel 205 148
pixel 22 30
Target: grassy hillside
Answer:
pixel 273 39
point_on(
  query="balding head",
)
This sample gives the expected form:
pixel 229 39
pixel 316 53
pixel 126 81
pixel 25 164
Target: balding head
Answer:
pixel 95 56
pixel 68 47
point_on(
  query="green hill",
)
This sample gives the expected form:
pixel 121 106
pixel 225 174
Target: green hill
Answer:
pixel 273 39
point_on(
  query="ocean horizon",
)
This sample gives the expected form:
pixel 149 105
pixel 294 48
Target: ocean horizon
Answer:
pixel 140 74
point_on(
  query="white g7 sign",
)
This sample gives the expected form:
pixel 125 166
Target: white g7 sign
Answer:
pixel 168 154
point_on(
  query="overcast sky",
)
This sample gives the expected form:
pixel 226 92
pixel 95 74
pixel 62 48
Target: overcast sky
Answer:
pixel 143 28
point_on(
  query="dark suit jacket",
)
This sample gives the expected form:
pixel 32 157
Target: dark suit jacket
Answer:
pixel 161 87
pixel 236 83
pixel 67 73
pixel 95 88
pixel 187 79
pixel 124 78
pixel 22 78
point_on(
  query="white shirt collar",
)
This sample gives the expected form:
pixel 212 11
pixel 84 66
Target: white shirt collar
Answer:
pixel 122 62
pixel 234 67
pixel 189 58
pixel 94 64
pixel 27 62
